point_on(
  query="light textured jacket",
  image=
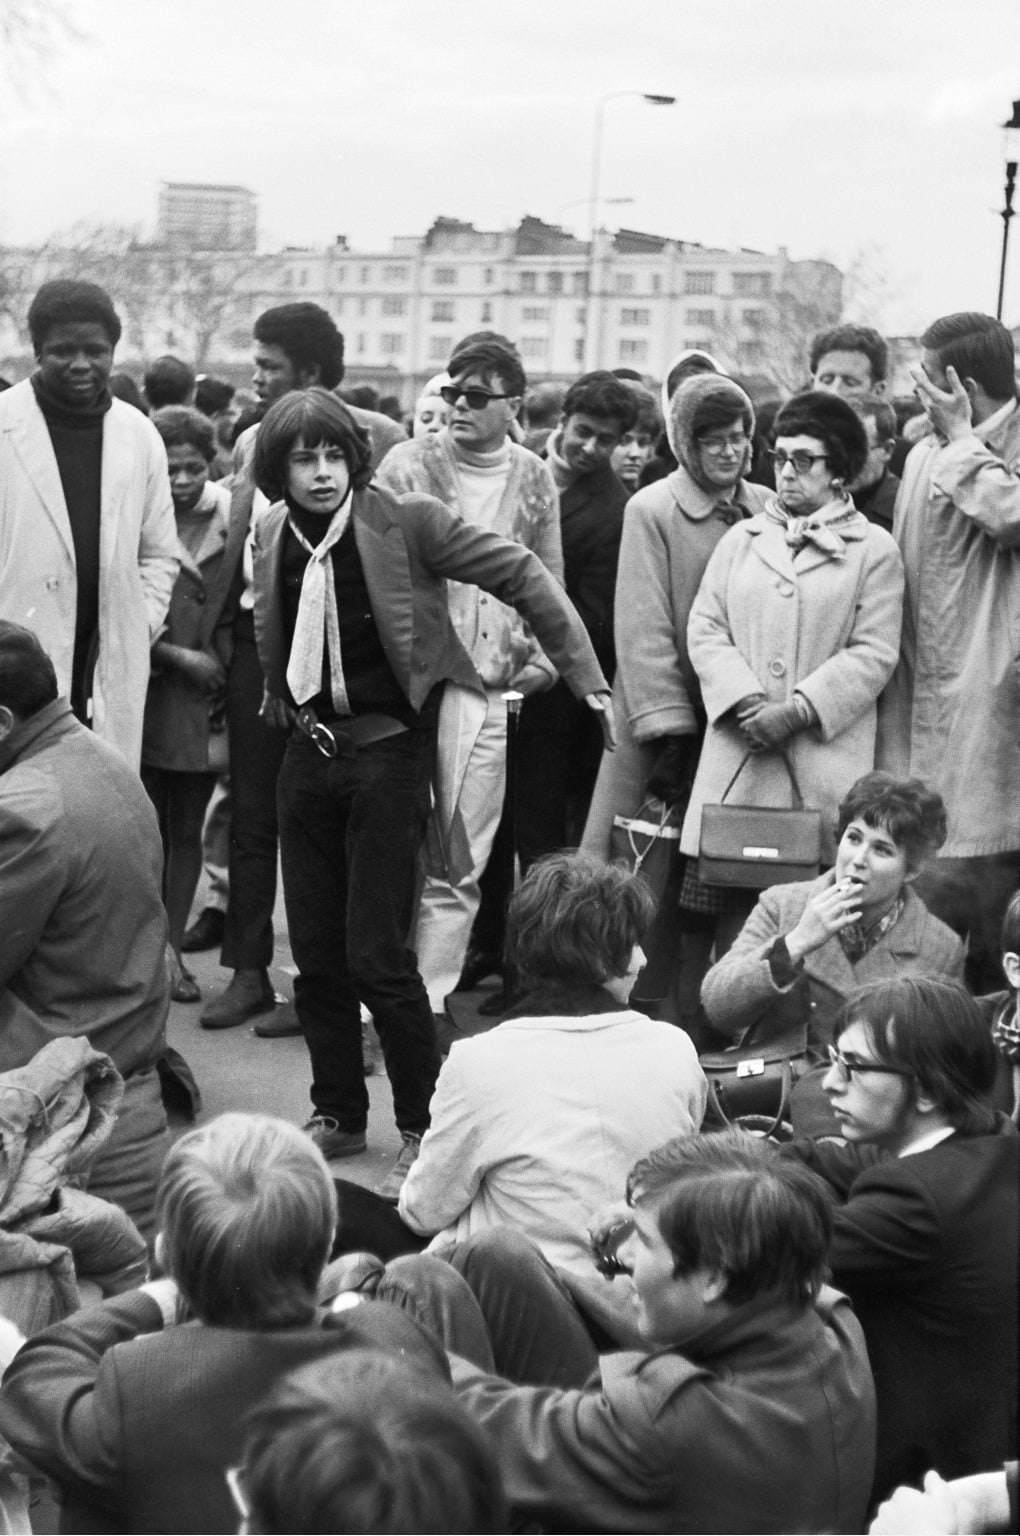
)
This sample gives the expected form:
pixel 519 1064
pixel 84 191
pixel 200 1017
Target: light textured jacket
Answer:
pixel 536 1125
pixel 137 554
pixel 767 622
pixel 951 713
pixel 670 529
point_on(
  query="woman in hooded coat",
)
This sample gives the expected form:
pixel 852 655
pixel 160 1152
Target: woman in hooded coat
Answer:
pixel 670 530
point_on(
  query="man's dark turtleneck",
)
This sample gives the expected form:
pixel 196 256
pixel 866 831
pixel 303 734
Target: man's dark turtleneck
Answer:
pixel 76 433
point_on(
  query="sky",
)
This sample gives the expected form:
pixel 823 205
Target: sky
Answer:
pixel 863 131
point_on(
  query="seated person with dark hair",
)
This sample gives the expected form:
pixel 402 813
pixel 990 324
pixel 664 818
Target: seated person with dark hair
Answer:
pixel 925 1224
pixel 135 1407
pixel 751 1407
pixel 364 1442
pixel 807 945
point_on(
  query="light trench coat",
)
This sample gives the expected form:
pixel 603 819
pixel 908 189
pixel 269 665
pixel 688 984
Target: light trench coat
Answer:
pixel 768 620
pixel 137 555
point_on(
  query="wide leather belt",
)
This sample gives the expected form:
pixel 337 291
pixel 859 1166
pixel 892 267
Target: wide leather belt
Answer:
pixel 343 735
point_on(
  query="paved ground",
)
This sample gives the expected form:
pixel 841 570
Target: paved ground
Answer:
pixel 237 1070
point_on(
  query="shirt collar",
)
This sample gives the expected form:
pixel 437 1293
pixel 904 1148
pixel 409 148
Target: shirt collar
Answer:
pixel 995 420
pixel 925 1142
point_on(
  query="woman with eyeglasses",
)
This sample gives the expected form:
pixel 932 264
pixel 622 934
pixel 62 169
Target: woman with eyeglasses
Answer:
pixel 807 945
pixel 925 1224
pixel 669 532
pixel 794 632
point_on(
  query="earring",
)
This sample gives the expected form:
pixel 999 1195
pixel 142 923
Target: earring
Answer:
pixel 837 486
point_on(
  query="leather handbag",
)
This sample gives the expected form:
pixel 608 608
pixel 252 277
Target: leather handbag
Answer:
pixel 750 1083
pixel 757 846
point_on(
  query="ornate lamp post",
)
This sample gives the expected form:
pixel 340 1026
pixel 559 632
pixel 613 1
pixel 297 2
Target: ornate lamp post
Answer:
pixel 1012 139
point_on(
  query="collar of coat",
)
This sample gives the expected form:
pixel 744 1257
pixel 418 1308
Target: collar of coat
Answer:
pixel 24 735
pixel 696 503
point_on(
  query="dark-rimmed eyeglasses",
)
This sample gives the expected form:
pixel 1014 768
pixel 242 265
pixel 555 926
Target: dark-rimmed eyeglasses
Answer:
pixel 477 399
pixel 717 446
pixel 801 460
pixel 846 1066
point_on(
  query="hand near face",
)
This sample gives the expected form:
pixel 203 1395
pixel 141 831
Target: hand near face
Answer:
pixel 949 410
pixel 829 911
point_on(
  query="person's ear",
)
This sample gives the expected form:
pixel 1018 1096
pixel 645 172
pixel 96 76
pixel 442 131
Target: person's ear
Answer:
pixel 1011 966
pixel 911 875
pixel 515 406
pixel 159 1252
pixel 713 1287
pixel 307 377
pixel 7 721
pixel 879 387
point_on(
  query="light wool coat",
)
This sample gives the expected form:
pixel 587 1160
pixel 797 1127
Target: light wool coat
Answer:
pixel 951 714
pixel 769 620
pixel 137 555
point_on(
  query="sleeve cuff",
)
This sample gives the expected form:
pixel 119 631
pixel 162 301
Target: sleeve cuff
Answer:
pixel 784 970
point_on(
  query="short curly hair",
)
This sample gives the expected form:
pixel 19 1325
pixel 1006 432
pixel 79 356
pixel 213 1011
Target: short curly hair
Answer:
pixel 308 336
pixel 834 422
pixel 575 921
pixel 314 416
pixel 913 815
pixel 70 301
pixel 180 426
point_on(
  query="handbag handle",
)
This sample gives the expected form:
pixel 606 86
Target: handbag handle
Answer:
pixel 798 798
pixel 715 1103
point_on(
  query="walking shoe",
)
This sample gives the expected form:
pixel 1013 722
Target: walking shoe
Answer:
pixel 393 1183
pixel 283 1021
pixel 247 993
pixel 331 1141
pixel 206 932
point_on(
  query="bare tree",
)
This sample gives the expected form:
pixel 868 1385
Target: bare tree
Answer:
pixel 31 31
pixel 207 292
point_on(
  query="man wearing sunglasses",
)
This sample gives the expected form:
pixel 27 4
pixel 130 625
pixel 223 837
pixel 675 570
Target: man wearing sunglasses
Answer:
pixel 487 479
pixel 925 1224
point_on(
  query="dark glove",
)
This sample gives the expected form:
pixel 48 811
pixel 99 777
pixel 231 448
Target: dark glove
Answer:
pixel 673 770
pixel 773 724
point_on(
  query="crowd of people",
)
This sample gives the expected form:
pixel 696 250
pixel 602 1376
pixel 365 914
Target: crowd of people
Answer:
pixel 235 634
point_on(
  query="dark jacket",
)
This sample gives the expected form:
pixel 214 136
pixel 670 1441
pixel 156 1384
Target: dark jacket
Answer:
pixel 591 525
pixel 926 1248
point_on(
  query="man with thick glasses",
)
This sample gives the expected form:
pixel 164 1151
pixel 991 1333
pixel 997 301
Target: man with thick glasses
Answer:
pixel 487 479
pixel 925 1224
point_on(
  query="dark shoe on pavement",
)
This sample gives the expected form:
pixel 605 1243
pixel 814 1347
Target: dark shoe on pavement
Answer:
pixel 393 1183
pixel 247 993
pixel 331 1140
pixel 184 988
pixel 477 965
pixel 206 932
pixel 283 1021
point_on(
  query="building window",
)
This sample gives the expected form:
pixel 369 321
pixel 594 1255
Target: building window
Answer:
pixel 362 306
pixel 394 274
pixel 534 347
pixel 580 284
pixel 535 312
pixel 529 282
pixel 633 351
pixel 656 283
pixel 625 282
pixel 442 309
pixel 440 348
pixel 635 317
pixel 698 344
pixel 701 317
pixel 336 305
pixel 753 317
pixel 699 282
pixel 579 350
pixel 391 342
pixel 394 305
pixel 445 277
pixel 366 274
pixel 486 312
pixel 554 282
pixel 341 274
pixel 361 341
pixel 303 278
pixel 489 276
pixel 752 284
pixel 582 315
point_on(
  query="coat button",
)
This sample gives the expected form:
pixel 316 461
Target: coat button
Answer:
pixel 777 667
pixel 784 589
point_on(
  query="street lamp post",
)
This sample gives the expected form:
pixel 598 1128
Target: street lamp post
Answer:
pixel 591 326
pixel 1012 137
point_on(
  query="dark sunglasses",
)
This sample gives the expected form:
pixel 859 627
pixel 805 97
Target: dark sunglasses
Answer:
pixel 477 399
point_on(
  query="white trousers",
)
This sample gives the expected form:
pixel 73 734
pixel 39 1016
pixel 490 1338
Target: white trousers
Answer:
pixel 448 911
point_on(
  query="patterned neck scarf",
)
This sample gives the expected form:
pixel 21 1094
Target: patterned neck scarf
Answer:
pixel 1006 1031
pixel 858 940
pixel 818 528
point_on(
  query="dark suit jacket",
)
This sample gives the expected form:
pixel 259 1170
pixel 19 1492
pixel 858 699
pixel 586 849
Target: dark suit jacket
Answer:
pixel 926 1248
pixel 408 545
pixel 591 524
pixel 137 1424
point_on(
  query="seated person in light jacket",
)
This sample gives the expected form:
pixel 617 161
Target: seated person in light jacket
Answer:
pixel 536 1123
pixel 806 946
pixel 750 1405
pixel 925 1226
